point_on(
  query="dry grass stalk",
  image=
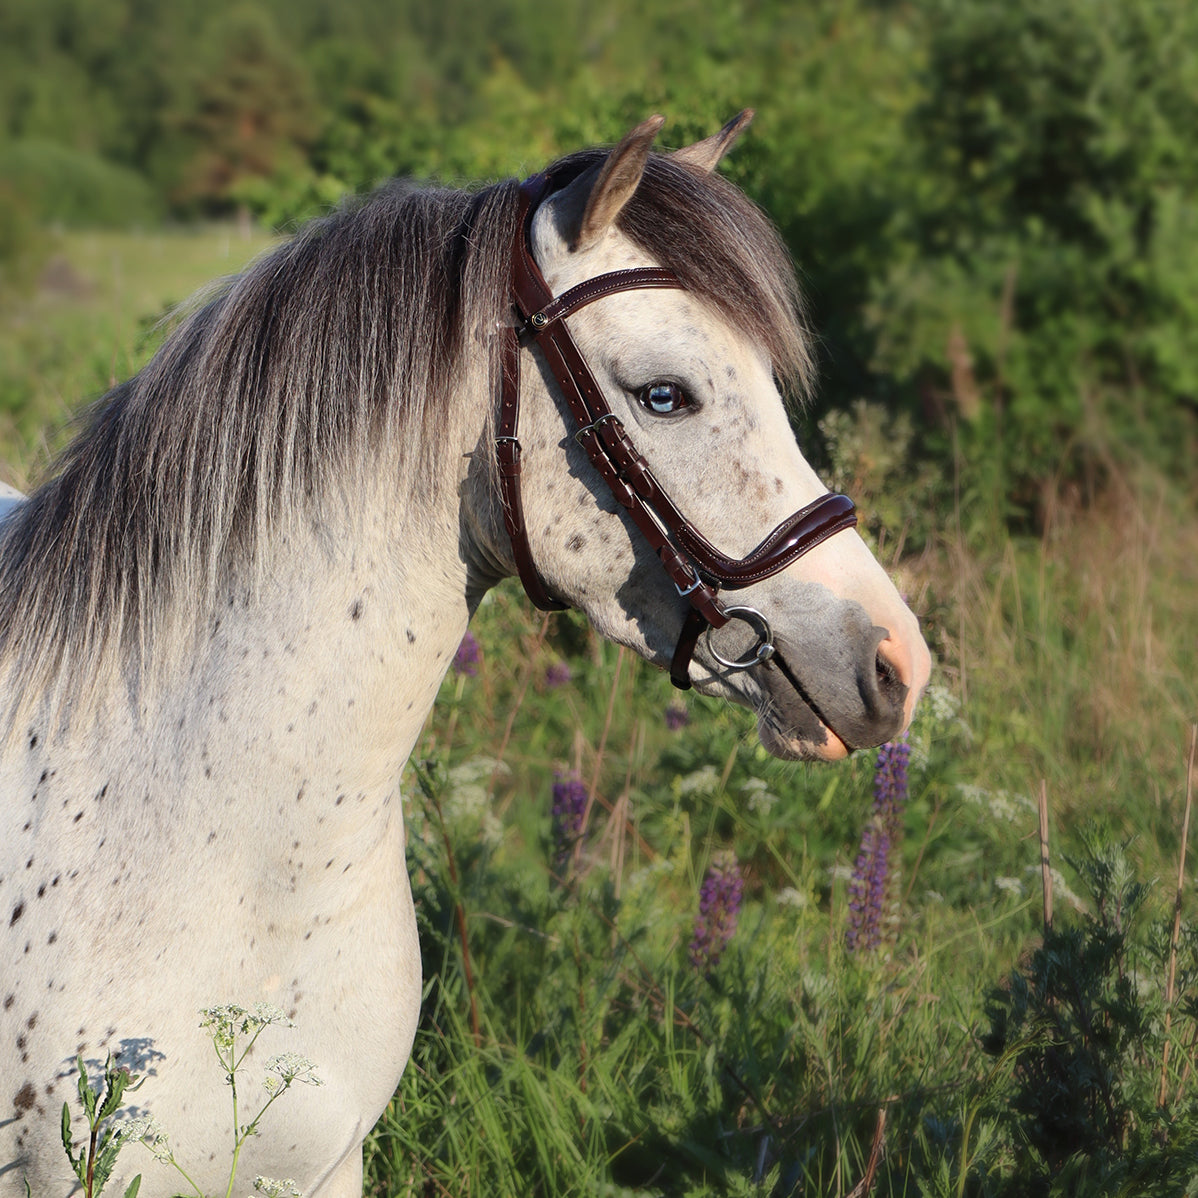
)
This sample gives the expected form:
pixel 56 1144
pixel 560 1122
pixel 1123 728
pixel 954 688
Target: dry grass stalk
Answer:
pixel 877 1150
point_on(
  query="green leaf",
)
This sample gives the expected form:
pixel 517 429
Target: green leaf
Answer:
pixel 86 1095
pixel 77 1163
pixel 133 1187
pixel 117 1081
pixel 105 1163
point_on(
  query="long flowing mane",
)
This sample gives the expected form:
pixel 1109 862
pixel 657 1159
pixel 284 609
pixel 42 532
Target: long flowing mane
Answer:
pixel 351 336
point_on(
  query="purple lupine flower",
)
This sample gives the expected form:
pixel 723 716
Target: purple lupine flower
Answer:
pixel 719 908
pixel 677 716
pixel 569 808
pixel 871 873
pixel 465 660
pixel 558 674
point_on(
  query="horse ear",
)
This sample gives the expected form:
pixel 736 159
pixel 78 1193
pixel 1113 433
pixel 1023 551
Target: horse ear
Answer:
pixel 618 179
pixel 706 154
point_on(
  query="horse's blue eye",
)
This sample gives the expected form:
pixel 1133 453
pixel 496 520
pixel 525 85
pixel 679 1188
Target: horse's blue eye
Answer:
pixel 663 398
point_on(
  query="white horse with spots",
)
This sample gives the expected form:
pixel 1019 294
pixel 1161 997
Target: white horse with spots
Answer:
pixel 223 623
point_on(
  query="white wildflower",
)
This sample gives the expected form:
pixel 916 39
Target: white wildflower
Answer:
pixel 1001 804
pixel 1060 888
pixel 491 828
pixel 274 1188
pixel 1010 885
pixel 229 1019
pixel 466 793
pixel 939 704
pixel 919 756
pixel 760 799
pixel 702 781
pixel 647 875
pixel 939 711
pixel 291 1067
pixel 150 1132
pixel 264 1013
pixel 790 897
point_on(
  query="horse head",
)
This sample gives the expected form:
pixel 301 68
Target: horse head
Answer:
pixel 690 371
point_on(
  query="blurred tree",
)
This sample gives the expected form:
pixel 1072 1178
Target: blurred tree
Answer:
pixel 993 207
pixel 1058 173
pixel 250 115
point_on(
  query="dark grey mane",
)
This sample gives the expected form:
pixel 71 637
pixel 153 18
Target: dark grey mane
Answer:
pixel 348 337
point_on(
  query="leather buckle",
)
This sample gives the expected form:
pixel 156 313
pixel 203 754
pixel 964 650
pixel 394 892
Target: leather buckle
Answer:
pixel 683 592
pixel 594 426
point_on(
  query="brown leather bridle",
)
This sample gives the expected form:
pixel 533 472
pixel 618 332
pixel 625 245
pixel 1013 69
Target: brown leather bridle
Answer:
pixel 697 569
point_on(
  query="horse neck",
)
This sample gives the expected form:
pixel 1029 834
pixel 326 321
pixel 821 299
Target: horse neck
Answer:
pixel 311 681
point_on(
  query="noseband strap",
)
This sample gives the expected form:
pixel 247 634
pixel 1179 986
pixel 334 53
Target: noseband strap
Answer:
pixel 697 569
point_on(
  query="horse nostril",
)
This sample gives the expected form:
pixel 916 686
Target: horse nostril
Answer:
pixel 884 671
pixel 891 685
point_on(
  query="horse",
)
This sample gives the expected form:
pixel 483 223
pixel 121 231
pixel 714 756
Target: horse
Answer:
pixel 225 618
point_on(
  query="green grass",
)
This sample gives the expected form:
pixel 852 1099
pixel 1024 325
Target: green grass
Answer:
pixel 572 1048
pixel 89 319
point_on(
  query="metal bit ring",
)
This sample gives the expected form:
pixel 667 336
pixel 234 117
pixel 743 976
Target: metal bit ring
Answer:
pixel 760 653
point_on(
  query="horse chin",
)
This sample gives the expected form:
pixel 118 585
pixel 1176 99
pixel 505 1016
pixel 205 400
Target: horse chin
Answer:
pixel 825 745
pixel 789 727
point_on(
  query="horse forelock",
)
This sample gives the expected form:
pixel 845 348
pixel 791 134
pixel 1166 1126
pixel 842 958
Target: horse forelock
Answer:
pixel 335 351
pixel 725 250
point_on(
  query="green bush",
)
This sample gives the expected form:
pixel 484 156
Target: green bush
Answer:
pixel 23 246
pixel 1084 1021
pixel 76 189
pixel 1043 298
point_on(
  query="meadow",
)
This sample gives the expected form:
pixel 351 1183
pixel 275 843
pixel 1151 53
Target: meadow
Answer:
pixel 651 967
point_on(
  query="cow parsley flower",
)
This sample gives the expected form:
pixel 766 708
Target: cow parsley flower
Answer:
pixel 228 1020
pixel 274 1188
pixel 286 1067
pixel 151 1133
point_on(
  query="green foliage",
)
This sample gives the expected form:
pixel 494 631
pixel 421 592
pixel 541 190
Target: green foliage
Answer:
pixel 993 207
pixel 23 245
pixel 873 455
pixel 1082 1022
pixel 603 1061
pixel 73 188
pixel 1029 299
pixel 94 1162
pixel 247 115
pixel 234 1030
